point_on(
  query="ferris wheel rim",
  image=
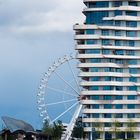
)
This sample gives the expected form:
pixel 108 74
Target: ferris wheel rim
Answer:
pixel 42 106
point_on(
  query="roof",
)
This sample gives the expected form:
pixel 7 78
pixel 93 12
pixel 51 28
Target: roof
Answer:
pixel 17 125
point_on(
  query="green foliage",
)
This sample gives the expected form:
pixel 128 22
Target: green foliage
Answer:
pixel 57 130
pixel 116 124
pixel 54 131
pixel 47 129
pixel 11 138
pixel 0 138
pixel 97 125
pixel 131 125
pixel 78 131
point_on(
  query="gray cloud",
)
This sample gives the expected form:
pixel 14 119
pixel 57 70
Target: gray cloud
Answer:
pixel 20 16
pixel 33 33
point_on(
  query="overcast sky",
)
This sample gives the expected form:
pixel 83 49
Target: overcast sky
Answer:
pixel 31 33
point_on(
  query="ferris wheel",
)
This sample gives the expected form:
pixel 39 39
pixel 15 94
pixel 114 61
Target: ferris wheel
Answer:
pixel 58 97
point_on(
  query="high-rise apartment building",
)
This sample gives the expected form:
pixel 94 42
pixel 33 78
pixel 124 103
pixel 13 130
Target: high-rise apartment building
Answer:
pixel 108 45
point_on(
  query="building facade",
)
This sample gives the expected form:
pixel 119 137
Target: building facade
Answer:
pixel 108 45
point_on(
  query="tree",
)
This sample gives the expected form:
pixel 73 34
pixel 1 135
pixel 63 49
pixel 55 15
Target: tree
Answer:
pixel 78 131
pixel 57 130
pixel 54 131
pixel 131 127
pixel 98 128
pixel 115 128
pixel 47 129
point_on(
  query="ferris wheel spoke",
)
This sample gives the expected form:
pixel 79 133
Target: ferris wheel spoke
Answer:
pixel 67 101
pixel 61 91
pixel 73 75
pixel 65 82
pixel 65 112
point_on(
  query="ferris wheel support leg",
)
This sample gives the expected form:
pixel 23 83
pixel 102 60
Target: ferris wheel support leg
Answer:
pixel 72 123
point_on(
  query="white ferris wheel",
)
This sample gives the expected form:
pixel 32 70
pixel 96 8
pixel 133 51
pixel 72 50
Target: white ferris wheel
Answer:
pixel 59 96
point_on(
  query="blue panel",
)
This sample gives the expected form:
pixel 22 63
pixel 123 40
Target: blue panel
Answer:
pixel 118 97
pixel 131 106
pixel 117 13
pixel 131 23
pixel 131 97
pixel 131 13
pixel 90 31
pixel 98 4
pixel 107 97
pixel 108 106
pixel 92 51
pixel 118 106
pixel 91 41
pixel 96 17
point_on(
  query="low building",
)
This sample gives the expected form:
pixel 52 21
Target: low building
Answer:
pixel 20 130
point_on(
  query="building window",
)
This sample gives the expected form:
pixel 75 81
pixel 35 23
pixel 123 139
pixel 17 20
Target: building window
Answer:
pixel 98 4
pixel 96 17
pixel 105 32
pixel 109 115
pixel 131 23
pixel 107 124
pixel 107 88
pixel 132 53
pixel 106 42
pixel 107 106
pixel 132 62
pixel 107 78
pixel 95 60
pixel 133 70
pixel 132 88
pixel 118 52
pixel 91 41
pixel 107 69
pixel 119 88
pixel 117 23
pixel 95 97
pixel 95 115
pixel 95 106
pixel 118 43
pixel 130 115
pixel 90 31
pixel 131 33
pixel 119 70
pixel 94 88
pixel 118 106
pixel 116 3
pixel 131 97
pixel 131 43
pixel 131 13
pixel 108 136
pixel 94 69
pixel 118 97
pixel 133 79
pixel 106 51
pixel 95 78
pixel 107 97
pixel 119 115
pixel 118 33
pixel 130 135
pixel 131 106
pixel 117 12
pixel 133 3
pixel 120 79
pixel 95 51
pixel 120 135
